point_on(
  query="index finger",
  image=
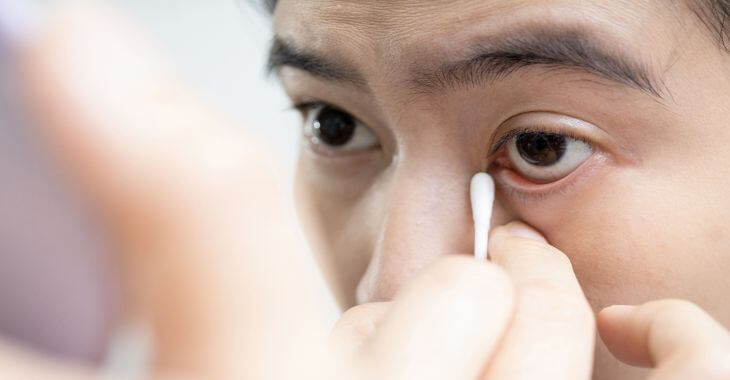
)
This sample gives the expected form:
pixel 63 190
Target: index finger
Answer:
pixel 444 324
pixel 552 335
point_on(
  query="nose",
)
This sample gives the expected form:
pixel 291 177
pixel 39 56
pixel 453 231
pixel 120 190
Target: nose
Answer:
pixel 428 215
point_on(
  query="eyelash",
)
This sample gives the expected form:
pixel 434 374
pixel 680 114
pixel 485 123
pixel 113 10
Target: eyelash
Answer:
pixel 305 107
pixel 523 197
pixel 527 197
pixel 507 137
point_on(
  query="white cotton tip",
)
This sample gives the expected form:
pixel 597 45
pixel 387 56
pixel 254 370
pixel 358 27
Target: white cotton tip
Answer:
pixel 482 200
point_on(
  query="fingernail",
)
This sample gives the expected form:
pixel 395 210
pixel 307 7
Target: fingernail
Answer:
pixel 521 230
pixel 617 313
pixel 619 310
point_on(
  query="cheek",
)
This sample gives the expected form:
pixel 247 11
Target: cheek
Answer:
pixel 633 237
pixel 337 229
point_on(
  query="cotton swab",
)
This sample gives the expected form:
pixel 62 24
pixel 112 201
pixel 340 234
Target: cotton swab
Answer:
pixel 482 200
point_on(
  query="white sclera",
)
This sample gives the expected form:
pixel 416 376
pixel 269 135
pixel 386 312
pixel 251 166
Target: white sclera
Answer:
pixel 482 200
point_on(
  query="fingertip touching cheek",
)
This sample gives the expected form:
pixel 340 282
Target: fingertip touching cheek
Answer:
pixel 600 121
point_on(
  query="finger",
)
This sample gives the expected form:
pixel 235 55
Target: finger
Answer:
pixel 667 334
pixel 357 325
pixel 552 335
pixel 445 323
pixel 208 231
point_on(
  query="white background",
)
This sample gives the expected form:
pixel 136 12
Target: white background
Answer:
pixel 221 46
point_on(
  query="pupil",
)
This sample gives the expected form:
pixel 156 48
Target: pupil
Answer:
pixel 333 127
pixel 541 149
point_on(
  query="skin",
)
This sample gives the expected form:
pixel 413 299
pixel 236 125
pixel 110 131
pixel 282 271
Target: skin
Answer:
pixel 647 221
pixel 216 266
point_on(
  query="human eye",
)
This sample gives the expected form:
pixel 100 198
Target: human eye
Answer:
pixel 541 153
pixel 544 157
pixel 331 131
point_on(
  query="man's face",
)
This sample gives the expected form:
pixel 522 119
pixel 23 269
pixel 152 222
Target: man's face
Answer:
pixel 602 122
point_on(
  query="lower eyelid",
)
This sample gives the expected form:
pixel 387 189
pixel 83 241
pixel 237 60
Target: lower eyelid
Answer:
pixel 522 189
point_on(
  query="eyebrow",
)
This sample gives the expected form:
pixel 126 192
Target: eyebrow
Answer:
pixel 495 59
pixel 286 53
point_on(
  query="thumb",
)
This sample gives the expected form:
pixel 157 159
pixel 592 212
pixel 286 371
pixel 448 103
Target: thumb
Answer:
pixel 658 332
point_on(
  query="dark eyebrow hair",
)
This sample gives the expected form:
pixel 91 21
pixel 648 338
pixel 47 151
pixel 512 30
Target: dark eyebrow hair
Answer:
pixel 500 56
pixel 285 53
pixel 572 50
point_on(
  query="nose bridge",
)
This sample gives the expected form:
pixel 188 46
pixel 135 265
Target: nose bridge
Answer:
pixel 427 215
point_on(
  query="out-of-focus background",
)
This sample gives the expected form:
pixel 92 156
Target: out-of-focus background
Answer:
pixel 57 291
pixel 221 46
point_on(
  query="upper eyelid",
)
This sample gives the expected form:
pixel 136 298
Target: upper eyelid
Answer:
pixel 503 140
pixel 307 106
pixel 516 132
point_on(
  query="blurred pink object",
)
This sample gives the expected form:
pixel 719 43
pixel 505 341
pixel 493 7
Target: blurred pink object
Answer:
pixel 56 277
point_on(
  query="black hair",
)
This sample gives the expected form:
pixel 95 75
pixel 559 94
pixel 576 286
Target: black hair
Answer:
pixel 270 5
pixel 714 14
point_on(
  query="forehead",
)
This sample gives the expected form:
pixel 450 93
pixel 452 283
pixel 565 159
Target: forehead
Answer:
pixel 399 27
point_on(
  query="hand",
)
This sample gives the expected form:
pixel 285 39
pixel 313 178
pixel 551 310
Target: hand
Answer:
pixel 550 332
pixel 552 335
pixel 675 337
